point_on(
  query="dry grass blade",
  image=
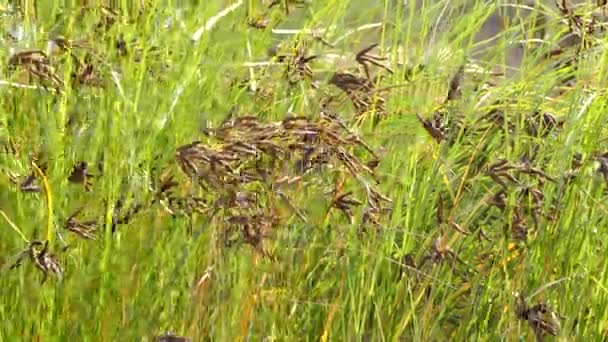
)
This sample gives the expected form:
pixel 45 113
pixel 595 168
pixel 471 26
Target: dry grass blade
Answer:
pixel 213 20
pixel 458 228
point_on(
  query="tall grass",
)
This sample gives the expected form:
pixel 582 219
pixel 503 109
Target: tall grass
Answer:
pixel 329 279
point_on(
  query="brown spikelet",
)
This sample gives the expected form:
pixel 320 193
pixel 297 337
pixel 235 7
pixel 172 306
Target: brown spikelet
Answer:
pixel 39 254
pixel 364 58
pixel 85 230
pixel 37 63
pixel 455 89
pixel 540 317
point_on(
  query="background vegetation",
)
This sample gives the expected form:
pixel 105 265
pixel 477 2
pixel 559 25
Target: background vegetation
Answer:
pixel 242 170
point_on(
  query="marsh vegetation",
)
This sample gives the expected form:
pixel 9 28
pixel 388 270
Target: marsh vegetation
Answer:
pixel 303 170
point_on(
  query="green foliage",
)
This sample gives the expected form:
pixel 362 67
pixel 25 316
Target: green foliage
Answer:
pixel 505 197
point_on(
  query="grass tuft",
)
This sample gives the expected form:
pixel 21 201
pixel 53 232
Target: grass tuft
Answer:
pixel 303 170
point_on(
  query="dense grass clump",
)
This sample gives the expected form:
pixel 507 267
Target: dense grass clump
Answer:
pixel 302 170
